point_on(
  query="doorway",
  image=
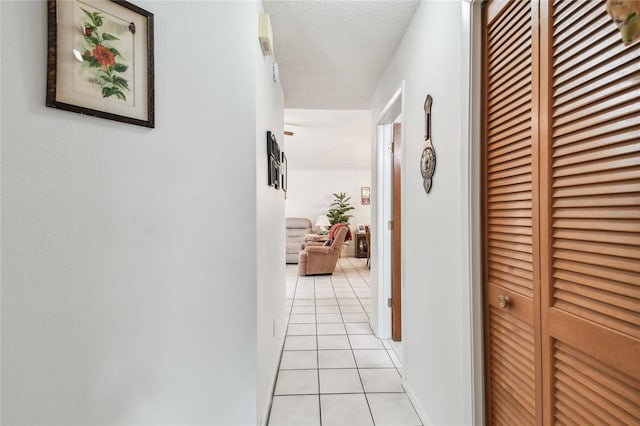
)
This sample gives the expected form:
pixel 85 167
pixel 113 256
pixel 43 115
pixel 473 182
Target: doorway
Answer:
pixel 387 241
pixel 396 240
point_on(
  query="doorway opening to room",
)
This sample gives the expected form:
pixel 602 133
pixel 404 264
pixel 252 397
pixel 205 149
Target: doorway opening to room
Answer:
pixel 388 224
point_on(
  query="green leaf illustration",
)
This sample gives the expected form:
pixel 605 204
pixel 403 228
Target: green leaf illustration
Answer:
pixel 120 67
pixel 120 82
pixel 106 36
pixel 89 14
pixel 107 91
pixel 91 40
pixel 95 17
pixel 114 51
pixel 121 95
pixel 93 62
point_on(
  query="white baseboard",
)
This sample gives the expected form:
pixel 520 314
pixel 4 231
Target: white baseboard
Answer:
pixel 264 418
pixel 418 407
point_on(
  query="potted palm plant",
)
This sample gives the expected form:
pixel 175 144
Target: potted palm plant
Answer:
pixel 338 213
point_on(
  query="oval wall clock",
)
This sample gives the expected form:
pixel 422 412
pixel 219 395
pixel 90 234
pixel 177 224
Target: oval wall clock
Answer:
pixel 428 159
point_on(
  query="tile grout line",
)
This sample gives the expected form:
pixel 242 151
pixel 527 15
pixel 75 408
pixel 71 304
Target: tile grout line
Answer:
pixel 359 273
pixel 315 310
pixel 387 351
pixel 286 331
pixel 357 297
pixel 348 275
pixel 394 365
pixel 364 391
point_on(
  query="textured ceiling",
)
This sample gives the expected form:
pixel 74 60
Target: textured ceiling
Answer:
pixel 331 54
pixel 328 140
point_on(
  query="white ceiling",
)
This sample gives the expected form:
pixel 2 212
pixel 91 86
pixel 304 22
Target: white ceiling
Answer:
pixel 332 53
pixel 328 140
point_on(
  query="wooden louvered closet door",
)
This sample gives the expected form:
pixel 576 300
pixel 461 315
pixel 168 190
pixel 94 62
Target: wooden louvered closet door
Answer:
pixel 590 217
pixel 511 256
pixel 561 215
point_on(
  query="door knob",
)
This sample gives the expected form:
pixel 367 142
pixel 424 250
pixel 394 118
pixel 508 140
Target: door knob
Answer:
pixel 504 301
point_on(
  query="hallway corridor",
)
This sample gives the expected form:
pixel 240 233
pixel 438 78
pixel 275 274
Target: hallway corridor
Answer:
pixel 333 370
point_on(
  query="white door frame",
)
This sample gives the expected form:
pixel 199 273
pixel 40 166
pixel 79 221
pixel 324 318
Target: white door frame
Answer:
pixel 470 164
pixel 381 264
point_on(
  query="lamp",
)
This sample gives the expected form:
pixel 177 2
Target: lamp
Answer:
pixel 322 222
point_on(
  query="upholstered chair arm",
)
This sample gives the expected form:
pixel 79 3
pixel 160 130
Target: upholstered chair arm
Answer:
pixel 314 243
pixel 319 249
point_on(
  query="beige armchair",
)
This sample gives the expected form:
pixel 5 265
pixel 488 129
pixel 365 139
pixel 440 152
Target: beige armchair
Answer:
pixel 296 228
pixel 320 259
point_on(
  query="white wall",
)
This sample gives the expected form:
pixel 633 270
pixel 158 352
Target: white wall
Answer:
pixel 129 262
pixel 311 193
pixel 269 248
pixel 435 292
pixel 328 139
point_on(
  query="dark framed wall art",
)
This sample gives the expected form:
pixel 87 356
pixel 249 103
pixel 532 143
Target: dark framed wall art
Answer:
pixel 273 160
pixel 100 59
pixel 283 174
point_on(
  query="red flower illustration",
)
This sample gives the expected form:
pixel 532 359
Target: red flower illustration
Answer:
pixel 104 56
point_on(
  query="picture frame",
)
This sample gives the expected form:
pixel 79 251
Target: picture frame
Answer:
pixel 361 229
pixel 283 174
pixel 101 60
pixel 273 161
pixel 365 195
pixel 275 174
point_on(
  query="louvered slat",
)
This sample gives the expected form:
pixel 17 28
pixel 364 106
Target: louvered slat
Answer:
pixel 612 176
pixel 518 70
pixel 522 187
pixel 590 70
pixel 597 271
pixel 596 29
pixel 568 16
pixel 600 283
pixel 499 28
pixel 511 281
pixel 512 367
pixel 626 135
pixel 622 79
pixel 622 251
pixel 598 112
pixel 587 388
pixel 561 6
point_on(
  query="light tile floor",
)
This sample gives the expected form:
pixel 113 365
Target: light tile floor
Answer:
pixel 333 370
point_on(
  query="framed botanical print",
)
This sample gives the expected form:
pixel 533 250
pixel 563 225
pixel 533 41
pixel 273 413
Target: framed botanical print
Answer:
pixel 100 59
